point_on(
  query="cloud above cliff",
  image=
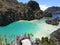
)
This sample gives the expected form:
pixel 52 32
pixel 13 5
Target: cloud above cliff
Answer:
pixel 43 7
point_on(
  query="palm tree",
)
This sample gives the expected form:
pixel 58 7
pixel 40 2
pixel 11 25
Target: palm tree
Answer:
pixel 0 41
pixel 29 35
pixel 37 41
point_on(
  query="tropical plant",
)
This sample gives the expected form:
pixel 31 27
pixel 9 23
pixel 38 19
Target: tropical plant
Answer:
pixel 46 41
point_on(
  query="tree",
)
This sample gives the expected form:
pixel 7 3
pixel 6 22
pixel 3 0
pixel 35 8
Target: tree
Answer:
pixel 37 41
pixel 29 35
pixel 46 41
pixel 0 41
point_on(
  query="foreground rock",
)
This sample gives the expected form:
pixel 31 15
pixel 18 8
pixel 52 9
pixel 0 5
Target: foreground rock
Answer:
pixel 56 36
pixel 20 40
pixel 23 40
pixel 53 21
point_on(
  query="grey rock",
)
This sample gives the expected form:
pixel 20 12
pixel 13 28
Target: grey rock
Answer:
pixel 56 36
pixel 18 40
pixel 53 21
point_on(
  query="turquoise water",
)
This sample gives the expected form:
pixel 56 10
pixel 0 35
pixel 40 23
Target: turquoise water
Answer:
pixel 18 28
pixel 37 27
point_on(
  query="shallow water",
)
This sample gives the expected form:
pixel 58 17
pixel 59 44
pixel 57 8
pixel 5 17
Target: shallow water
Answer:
pixel 18 28
pixel 37 27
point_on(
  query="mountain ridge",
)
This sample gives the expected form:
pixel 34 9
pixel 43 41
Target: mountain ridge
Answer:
pixel 53 9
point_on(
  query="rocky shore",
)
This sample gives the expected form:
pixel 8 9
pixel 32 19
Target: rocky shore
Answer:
pixel 56 36
pixel 53 21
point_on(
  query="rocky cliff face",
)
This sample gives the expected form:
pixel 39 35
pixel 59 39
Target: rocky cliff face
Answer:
pixel 5 4
pixel 56 36
pixel 11 11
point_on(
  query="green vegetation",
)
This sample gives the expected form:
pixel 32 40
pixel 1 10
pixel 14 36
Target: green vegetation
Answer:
pixel 45 41
pixel 1 43
pixel 29 35
pixel 12 10
pixel 4 39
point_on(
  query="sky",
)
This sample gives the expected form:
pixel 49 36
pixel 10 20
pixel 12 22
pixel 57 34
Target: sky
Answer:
pixel 44 4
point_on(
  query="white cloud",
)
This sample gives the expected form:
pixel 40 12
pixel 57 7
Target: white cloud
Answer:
pixel 43 7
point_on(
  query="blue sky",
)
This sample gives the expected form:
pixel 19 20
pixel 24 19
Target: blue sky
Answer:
pixel 44 3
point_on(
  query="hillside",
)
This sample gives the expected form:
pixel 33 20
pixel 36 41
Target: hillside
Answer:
pixel 53 10
pixel 5 4
pixel 11 11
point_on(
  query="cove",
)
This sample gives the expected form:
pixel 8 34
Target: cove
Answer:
pixel 39 28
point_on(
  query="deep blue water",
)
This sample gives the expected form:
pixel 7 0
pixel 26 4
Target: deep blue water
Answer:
pixel 55 16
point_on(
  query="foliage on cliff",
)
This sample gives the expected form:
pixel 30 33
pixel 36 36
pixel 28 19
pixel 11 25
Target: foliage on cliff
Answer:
pixel 37 41
pixel 45 41
pixel 11 11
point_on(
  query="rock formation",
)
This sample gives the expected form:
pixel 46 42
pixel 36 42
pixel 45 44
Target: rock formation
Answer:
pixel 53 21
pixel 47 14
pixel 21 40
pixel 11 11
pixel 56 36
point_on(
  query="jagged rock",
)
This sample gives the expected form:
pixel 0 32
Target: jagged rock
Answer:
pixel 47 14
pixel 22 39
pixel 56 36
pixel 12 11
pixel 53 21
pixel 38 14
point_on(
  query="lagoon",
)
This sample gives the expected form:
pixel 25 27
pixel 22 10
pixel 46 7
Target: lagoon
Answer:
pixel 37 27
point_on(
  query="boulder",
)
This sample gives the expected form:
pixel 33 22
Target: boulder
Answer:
pixel 53 21
pixel 56 36
pixel 22 40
